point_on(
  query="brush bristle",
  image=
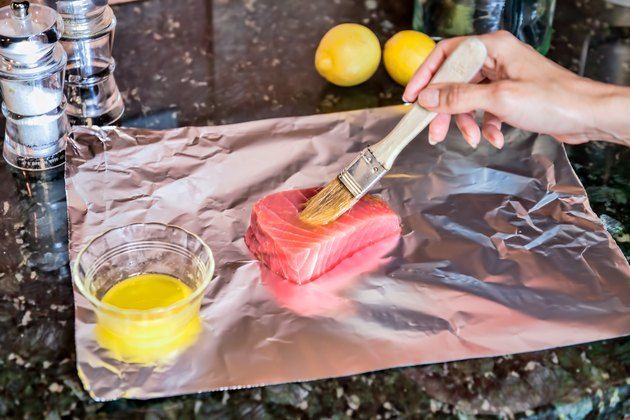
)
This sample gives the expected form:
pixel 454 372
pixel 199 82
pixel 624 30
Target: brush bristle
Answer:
pixel 328 204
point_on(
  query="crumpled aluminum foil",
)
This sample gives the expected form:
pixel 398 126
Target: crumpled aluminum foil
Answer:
pixel 500 251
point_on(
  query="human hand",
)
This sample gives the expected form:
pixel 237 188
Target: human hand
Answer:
pixel 518 86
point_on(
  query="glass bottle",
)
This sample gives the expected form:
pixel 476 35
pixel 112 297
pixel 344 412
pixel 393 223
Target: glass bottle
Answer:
pixel 530 20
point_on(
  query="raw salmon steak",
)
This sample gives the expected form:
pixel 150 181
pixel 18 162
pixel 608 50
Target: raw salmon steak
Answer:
pixel 300 252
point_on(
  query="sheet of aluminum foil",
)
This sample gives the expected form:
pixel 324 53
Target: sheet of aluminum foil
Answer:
pixel 500 252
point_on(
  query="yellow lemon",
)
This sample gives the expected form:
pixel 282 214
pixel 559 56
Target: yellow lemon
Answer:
pixel 348 54
pixel 404 53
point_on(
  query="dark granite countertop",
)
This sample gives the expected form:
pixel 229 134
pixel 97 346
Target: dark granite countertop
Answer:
pixel 196 62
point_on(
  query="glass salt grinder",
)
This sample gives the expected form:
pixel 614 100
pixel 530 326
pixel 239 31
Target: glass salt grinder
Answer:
pixel 91 91
pixel 32 66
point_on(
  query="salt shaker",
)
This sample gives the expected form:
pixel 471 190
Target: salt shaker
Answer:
pixel 32 66
pixel 91 91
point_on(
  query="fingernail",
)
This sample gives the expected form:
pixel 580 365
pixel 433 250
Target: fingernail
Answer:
pixel 432 141
pixel 429 98
pixel 469 139
pixel 496 141
pixel 406 102
pixel 493 141
pixel 499 142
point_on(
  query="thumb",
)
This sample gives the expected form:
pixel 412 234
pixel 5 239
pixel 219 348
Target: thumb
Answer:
pixel 456 98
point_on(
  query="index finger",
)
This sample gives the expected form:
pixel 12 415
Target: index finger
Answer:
pixel 434 61
pixel 429 67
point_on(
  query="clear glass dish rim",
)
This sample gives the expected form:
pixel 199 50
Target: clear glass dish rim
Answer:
pixel 98 304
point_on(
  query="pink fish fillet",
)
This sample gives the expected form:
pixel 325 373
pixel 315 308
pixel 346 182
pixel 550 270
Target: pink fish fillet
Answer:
pixel 300 252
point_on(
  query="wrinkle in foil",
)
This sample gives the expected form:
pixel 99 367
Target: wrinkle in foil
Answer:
pixel 500 252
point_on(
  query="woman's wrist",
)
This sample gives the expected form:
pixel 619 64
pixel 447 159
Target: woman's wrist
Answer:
pixel 611 114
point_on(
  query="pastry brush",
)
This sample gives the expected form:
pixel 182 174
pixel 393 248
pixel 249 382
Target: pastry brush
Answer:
pixel 340 194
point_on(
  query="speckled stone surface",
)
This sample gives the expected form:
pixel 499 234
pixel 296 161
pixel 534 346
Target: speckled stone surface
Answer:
pixel 195 62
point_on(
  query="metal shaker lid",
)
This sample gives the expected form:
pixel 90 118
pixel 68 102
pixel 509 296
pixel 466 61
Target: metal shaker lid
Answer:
pixel 84 18
pixel 28 31
pixel 78 9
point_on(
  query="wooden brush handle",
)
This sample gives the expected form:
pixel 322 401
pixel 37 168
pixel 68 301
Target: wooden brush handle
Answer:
pixel 460 67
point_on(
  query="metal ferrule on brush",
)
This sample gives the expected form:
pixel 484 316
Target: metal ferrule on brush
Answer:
pixel 364 171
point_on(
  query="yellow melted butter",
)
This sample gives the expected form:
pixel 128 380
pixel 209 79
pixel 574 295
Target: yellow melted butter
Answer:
pixel 147 291
pixel 152 338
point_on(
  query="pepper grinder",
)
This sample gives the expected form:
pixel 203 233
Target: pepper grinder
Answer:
pixel 32 66
pixel 91 91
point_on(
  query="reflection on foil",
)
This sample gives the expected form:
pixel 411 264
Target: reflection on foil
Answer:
pixel 328 294
pixel 500 251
